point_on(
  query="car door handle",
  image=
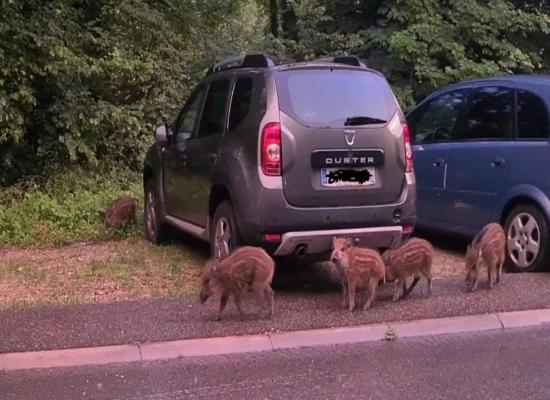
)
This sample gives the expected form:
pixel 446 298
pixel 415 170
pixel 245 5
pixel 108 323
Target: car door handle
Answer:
pixel 498 162
pixel 439 162
pixel 183 158
pixel 212 157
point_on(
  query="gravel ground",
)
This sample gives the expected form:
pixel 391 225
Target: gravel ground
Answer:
pixel 305 298
pixel 296 308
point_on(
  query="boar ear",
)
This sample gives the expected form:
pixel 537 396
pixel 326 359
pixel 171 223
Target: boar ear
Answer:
pixel 349 242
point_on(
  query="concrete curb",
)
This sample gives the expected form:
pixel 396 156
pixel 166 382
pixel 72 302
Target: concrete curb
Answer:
pixel 270 342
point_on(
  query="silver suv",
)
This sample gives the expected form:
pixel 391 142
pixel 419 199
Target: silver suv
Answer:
pixel 284 157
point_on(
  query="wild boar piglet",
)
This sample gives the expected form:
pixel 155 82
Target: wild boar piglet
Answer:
pixel 413 258
pixel 489 248
pixel 247 269
pixel 120 212
pixel 360 269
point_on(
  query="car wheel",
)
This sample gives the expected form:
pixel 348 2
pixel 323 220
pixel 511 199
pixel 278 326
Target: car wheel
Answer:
pixel 527 239
pixel 224 237
pixel 155 230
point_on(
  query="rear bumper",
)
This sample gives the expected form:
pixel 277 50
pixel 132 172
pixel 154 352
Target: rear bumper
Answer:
pixel 268 212
pixel 315 242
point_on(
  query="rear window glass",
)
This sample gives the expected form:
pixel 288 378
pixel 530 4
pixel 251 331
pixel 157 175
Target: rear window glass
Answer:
pixel 327 97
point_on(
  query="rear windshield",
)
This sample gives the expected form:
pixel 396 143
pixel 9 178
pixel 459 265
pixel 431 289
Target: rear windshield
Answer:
pixel 327 97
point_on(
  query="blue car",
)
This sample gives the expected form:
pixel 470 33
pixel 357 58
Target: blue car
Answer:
pixel 482 154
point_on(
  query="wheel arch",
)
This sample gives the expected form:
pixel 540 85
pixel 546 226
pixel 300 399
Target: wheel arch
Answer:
pixel 522 194
pixel 218 194
pixel 152 170
pixel 147 174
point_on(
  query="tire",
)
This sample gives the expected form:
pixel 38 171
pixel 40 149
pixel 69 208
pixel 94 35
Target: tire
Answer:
pixel 224 236
pixel 527 248
pixel 155 230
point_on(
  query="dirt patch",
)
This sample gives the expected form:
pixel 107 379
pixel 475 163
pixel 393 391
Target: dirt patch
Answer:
pixel 134 270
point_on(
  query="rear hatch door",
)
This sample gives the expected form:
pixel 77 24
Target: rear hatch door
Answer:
pixel 342 141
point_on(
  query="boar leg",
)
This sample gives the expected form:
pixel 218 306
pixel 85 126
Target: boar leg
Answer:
pixel 223 302
pixel 473 286
pixel 351 295
pixel 397 289
pixel 428 276
pixel 403 289
pixel 468 277
pixel 499 272
pixel 373 284
pixel 345 294
pixel 490 275
pixel 238 304
pixel 413 284
pixel 269 295
pixel 264 296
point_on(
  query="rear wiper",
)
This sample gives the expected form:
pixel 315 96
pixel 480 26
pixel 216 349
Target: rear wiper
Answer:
pixel 361 120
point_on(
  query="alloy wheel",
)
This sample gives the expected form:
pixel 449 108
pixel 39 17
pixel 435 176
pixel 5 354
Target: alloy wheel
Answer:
pixel 150 215
pixel 523 238
pixel 222 238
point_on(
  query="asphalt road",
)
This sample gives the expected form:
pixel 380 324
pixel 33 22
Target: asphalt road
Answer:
pixel 512 364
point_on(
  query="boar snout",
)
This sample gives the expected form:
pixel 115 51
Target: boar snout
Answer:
pixel 334 257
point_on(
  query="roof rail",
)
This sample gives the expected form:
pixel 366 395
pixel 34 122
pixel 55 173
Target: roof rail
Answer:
pixel 254 60
pixel 354 61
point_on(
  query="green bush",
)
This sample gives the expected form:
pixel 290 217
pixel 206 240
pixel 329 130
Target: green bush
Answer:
pixel 69 207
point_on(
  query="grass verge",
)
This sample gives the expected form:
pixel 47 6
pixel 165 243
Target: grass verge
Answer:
pixel 66 208
pixel 129 269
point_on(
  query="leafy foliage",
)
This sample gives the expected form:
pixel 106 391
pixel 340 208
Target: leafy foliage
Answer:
pixel 421 45
pixel 69 207
pixel 84 81
pixel 433 43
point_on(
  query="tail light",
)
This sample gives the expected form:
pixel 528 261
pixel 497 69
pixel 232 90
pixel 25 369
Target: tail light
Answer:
pixel 408 148
pixel 272 237
pixel 270 151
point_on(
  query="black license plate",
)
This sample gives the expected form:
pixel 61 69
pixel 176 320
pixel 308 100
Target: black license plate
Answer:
pixel 346 158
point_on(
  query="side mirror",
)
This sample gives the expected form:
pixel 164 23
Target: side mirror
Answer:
pixel 162 133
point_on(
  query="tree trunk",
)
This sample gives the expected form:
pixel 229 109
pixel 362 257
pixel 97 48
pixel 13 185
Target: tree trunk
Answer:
pixel 274 17
pixel 288 20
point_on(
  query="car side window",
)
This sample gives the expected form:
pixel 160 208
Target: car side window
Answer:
pixel 185 124
pixel 240 104
pixel 436 121
pixel 213 116
pixel 489 115
pixel 532 116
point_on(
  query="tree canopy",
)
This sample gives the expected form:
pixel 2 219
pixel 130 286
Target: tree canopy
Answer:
pixel 83 82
